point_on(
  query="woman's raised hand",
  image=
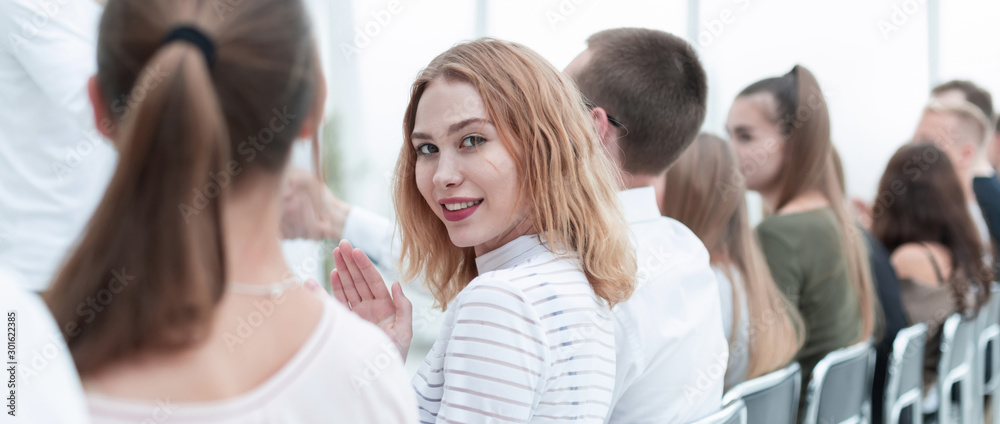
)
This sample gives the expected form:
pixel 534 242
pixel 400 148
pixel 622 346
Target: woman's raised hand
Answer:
pixel 358 285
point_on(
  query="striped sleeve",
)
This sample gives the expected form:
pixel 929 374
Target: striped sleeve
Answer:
pixel 496 359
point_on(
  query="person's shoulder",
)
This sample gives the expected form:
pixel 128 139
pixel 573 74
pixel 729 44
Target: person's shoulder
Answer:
pixel 911 261
pixel 343 324
pixel 793 228
pixel 669 239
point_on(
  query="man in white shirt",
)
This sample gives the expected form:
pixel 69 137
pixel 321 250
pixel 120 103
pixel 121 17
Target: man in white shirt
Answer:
pixel 54 166
pixel 649 95
pixel 46 388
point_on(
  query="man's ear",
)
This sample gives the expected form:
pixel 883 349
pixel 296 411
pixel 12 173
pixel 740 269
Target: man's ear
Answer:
pixel 968 152
pixel 605 130
pixel 102 119
pixel 315 117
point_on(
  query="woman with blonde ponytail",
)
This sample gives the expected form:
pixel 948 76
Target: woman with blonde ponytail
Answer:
pixel 780 130
pixel 177 302
pixel 705 192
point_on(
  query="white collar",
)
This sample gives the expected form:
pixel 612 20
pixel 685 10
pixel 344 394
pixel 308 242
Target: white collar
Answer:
pixel 639 204
pixel 513 253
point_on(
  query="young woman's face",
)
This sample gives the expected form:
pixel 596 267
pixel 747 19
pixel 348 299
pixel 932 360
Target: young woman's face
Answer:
pixel 464 172
pixel 756 139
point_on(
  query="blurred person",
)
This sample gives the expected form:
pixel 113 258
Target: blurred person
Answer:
pixel 780 130
pixel 967 91
pixel 54 165
pixel 960 129
pixel 705 191
pixel 890 310
pixel 648 92
pixel 934 246
pixel 525 268
pixel 177 303
pixel 985 184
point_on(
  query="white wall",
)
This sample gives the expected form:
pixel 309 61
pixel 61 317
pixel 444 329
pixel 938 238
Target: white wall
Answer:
pixel 871 58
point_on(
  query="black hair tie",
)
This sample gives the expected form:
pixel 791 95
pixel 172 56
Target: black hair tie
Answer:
pixel 194 36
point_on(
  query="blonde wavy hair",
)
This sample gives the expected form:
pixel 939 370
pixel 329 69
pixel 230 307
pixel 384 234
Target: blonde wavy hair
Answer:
pixel 706 192
pixel 568 182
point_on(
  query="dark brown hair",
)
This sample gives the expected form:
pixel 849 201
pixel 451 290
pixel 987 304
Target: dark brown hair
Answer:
pixel 651 82
pixel 808 164
pixel 973 94
pixel 154 247
pixel 921 200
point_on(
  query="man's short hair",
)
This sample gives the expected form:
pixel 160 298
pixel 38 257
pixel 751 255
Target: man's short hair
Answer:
pixel 968 114
pixel 973 94
pixel 653 84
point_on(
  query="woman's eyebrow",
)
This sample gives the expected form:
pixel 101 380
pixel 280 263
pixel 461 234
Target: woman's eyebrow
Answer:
pixel 458 126
pixel 453 128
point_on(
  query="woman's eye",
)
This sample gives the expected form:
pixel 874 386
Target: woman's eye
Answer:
pixel 426 149
pixel 743 137
pixel 473 141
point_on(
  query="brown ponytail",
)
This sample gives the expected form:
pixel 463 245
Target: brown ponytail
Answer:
pixel 150 268
pixel 804 120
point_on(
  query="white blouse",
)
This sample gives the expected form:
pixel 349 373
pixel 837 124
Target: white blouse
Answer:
pixel 739 345
pixel 347 371
pixel 527 341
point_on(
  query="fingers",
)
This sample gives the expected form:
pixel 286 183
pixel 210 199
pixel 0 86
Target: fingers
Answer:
pixel 404 308
pixel 370 274
pixel 360 284
pixel 338 289
pixel 347 282
pixel 404 319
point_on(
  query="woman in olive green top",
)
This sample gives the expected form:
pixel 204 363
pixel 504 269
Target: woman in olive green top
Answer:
pixel 780 130
pixel 805 253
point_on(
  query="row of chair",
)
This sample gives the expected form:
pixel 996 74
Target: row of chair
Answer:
pixel 840 389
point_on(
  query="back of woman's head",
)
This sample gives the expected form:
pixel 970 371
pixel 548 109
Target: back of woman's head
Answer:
pixel 920 200
pixel 567 181
pixel 706 192
pixel 192 124
pixel 807 164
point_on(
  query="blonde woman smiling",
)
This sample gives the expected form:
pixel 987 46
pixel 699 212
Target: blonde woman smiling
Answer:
pixel 507 207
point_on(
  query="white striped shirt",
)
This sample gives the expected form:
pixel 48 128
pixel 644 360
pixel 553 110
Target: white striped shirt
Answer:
pixel 526 341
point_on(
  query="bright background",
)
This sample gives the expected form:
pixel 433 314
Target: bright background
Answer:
pixel 875 82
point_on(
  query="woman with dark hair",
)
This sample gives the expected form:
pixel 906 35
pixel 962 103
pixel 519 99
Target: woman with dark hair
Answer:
pixel 179 305
pixel 780 130
pixel 922 219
